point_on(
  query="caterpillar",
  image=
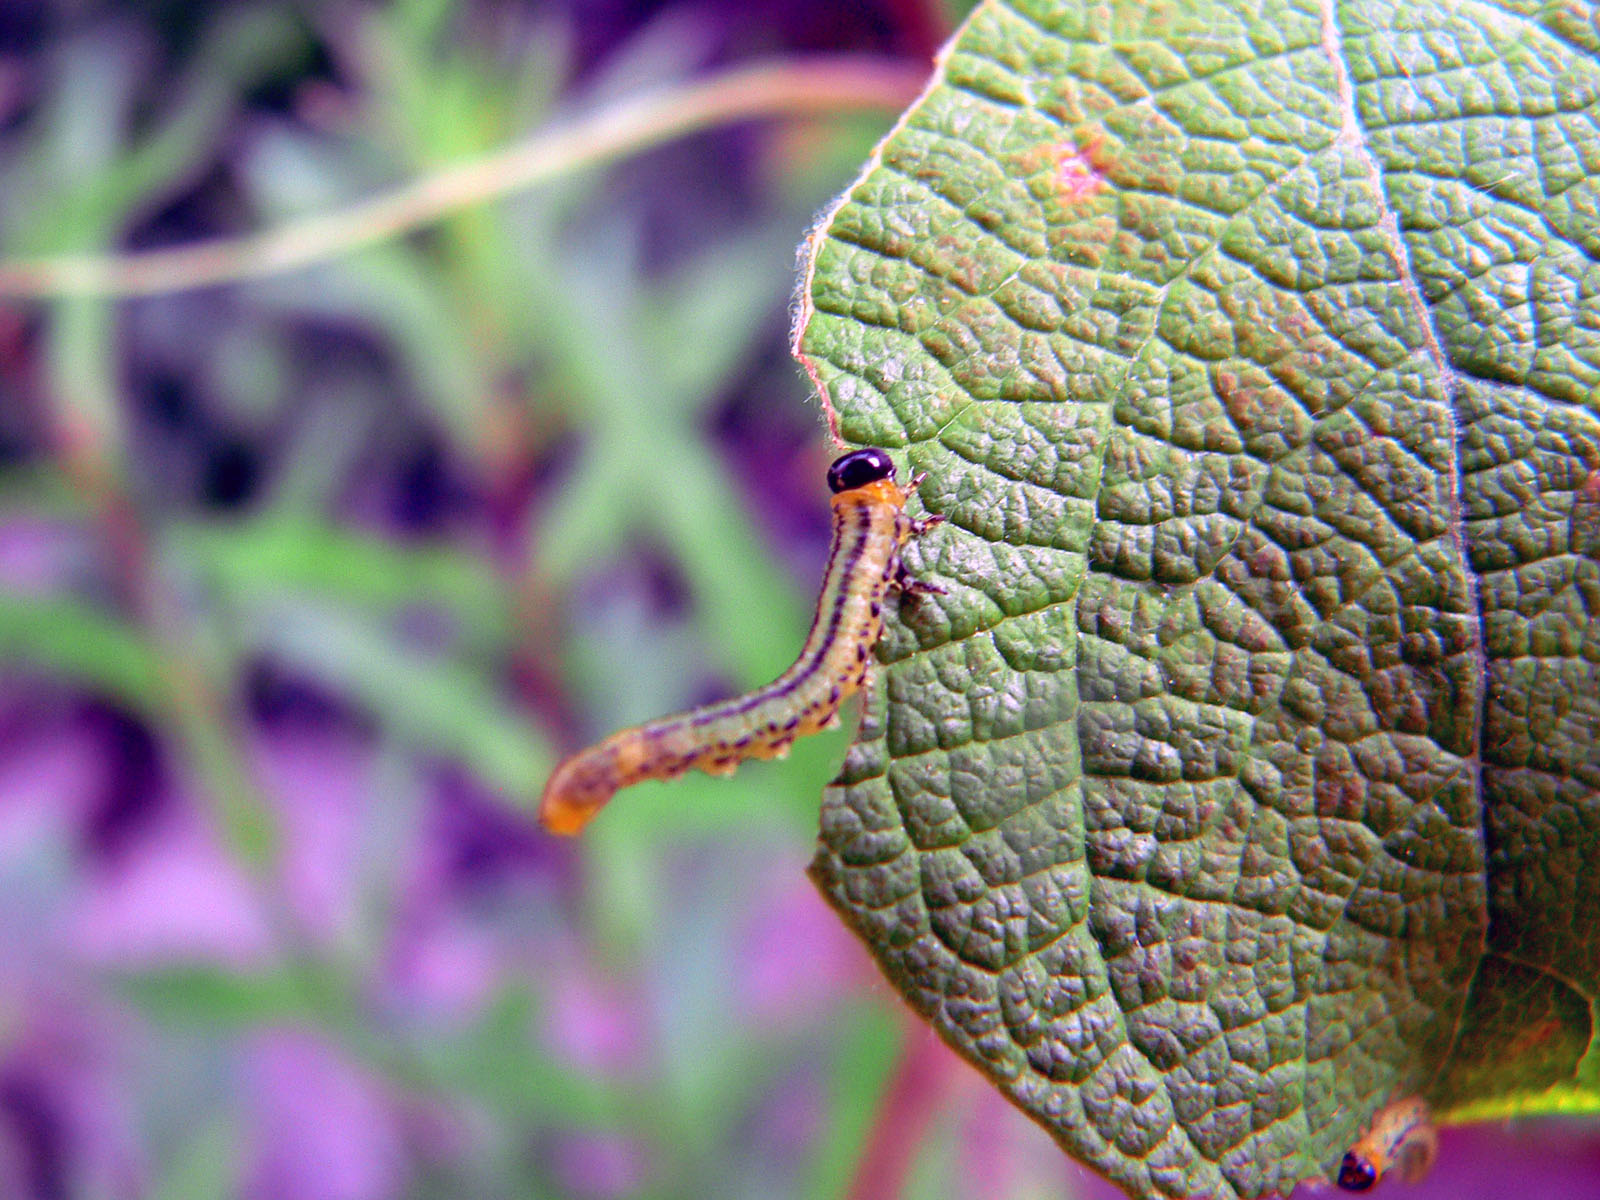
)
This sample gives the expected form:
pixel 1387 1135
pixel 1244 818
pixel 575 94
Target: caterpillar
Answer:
pixel 870 526
pixel 1402 1137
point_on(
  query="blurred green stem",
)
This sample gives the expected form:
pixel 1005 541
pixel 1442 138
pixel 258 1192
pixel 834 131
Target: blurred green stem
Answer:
pixel 188 670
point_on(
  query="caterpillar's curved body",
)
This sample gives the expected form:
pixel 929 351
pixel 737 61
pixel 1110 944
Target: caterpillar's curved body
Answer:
pixel 1402 1139
pixel 870 526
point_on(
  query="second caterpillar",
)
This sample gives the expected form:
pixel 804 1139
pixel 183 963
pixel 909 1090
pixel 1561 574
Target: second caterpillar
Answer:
pixel 870 525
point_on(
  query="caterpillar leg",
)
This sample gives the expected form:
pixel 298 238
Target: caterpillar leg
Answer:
pixel 904 582
pixel 908 584
pixel 918 525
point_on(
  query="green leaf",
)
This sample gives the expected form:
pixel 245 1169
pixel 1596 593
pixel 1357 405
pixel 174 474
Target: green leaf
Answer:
pixel 431 701
pixel 289 553
pixel 206 1165
pixel 191 997
pixel 1248 776
pixel 84 644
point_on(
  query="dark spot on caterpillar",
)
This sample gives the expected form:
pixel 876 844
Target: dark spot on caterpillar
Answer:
pixel 1401 1139
pixel 859 468
pixel 1356 1174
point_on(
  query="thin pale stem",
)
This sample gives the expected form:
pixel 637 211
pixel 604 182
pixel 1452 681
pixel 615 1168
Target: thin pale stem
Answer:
pixel 785 88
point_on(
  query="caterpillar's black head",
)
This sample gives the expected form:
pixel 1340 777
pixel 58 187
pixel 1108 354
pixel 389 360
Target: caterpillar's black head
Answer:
pixel 1356 1174
pixel 859 468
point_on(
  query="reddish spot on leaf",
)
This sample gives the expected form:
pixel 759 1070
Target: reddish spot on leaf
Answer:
pixel 1533 1037
pixel 1338 789
pixel 1244 403
pixel 1584 523
pixel 1076 169
pixel 1079 171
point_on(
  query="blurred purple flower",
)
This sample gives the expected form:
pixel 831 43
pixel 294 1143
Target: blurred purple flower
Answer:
pixel 40 556
pixel 442 964
pixel 324 1129
pixel 597 1166
pixel 65 1129
pixel 320 781
pixel 794 956
pixel 591 1022
pixel 174 896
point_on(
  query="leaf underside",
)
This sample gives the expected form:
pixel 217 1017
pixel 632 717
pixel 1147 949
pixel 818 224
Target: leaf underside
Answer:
pixel 1246 777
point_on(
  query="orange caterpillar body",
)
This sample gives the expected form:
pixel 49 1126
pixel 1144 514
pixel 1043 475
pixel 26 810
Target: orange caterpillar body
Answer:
pixel 870 526
pixel 1402 1139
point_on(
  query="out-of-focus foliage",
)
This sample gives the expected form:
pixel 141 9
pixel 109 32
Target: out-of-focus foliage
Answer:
pixel 304 580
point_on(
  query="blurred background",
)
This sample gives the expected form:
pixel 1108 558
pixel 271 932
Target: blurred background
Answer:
pixel 307 577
